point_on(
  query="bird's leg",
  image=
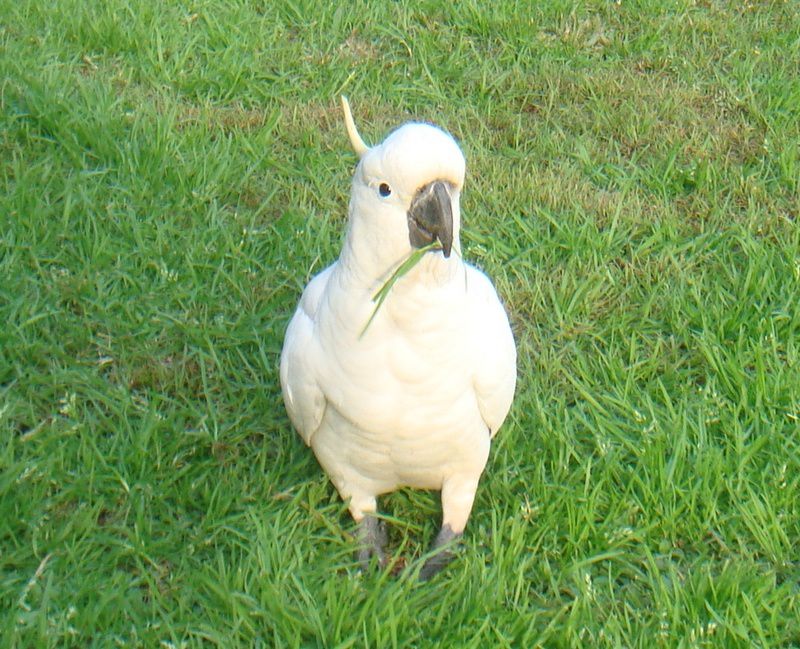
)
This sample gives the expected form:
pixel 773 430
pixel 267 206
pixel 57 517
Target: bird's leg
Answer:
pixel 371 541
pixel 457 497
pixel 371 535
pixel 443 548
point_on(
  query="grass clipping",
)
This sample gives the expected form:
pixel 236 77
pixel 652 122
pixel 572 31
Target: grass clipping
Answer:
pixel 408 263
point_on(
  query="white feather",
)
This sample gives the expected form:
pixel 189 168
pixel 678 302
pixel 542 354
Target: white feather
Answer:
pixel 416 399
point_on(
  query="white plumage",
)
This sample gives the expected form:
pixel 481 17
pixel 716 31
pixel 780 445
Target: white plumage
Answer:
pixel 415 399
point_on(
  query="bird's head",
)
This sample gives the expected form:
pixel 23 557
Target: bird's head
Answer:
pixel 405 191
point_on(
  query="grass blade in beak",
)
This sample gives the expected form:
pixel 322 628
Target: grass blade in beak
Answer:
pixel 412 260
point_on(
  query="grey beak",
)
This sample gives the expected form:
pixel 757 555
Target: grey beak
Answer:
pixel 430 217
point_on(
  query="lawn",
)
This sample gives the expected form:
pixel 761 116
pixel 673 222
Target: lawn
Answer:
pixel 173 174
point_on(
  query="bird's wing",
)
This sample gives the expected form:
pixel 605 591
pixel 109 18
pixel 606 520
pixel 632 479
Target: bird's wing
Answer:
pixel 496 364
pixel 305 401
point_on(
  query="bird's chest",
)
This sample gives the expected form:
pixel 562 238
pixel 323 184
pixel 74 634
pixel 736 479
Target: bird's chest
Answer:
pixel 410 366
pixel 401 400
pixel 422 342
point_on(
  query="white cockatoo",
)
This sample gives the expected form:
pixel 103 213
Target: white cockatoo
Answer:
pixel 414 398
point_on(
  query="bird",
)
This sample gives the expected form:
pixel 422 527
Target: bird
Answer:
pixel 409 395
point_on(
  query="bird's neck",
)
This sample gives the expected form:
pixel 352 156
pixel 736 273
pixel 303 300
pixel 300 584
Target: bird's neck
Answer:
pixel 368 265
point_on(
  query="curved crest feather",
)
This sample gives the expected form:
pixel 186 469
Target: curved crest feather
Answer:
pixel 359 146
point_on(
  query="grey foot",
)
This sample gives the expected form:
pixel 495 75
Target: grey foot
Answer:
pixel 371 541
pixel 443 546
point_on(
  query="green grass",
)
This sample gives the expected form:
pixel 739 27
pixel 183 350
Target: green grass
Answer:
pixel 173 174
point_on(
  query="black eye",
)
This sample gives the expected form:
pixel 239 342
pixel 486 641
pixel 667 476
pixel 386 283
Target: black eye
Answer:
pixel 384 190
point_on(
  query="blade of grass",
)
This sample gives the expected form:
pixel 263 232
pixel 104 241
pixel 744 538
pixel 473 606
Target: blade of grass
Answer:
pixel 405 266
